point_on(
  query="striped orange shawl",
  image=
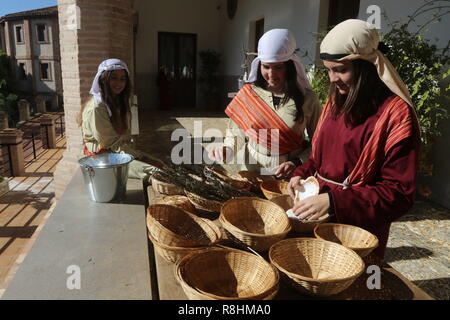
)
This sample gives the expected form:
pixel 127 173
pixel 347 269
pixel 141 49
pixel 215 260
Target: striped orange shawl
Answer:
pixel 257 119
pixel 394 125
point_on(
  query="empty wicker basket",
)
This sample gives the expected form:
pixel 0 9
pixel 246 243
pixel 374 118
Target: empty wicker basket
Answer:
pixel 299 226
pixel 256 222
pixel 227 274
pixel 172 254
pixel 172 226
pixel 316 267
pixel 178 201
pixel 202 203
pixel 359 240
pixel 274 188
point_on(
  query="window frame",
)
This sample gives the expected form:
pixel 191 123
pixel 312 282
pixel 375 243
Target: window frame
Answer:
pixel 17 26
pixel 46 33
pixel 21 76
pixel 49 71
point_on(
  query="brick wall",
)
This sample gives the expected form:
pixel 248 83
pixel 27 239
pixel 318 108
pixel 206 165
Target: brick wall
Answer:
pixel 105 31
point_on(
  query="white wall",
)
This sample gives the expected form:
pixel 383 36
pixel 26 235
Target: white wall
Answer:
pixel 399 10
pixel 301 17
pixel 200 17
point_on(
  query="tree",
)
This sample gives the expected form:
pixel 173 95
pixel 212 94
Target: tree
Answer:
pixel 8 96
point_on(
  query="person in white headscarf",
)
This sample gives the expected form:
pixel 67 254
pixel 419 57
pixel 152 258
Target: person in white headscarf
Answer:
pixel 366 147
pixel 106 118
pixel 269 115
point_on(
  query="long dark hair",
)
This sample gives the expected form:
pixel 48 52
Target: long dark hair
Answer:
pixel 365 96
pixel 119 104
pixel 292 90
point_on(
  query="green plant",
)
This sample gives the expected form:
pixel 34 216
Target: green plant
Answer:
pixel 210 61
pixel 8 97
pixel 423 67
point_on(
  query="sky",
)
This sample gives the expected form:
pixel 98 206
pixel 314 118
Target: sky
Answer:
pixel 12 6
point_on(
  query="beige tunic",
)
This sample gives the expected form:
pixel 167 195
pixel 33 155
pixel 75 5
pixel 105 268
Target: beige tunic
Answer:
pixel 99 133
pixel 252 156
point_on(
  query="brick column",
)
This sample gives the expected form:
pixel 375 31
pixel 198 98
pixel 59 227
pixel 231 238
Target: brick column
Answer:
pixel 48 124
pixel 105 31
pixel 24 110
pixel 12 138
pixel 3 121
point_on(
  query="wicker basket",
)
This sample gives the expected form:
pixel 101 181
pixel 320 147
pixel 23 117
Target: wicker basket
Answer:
pixel 254 178
pixel 174 227
pixel 359 240
pixel 316 267
pixel 256 222
pixel 172 254
pixel 227 274
pixel 274 188
pixel 164 187
pixel 178 201
pixel 299 226
pixel 203 203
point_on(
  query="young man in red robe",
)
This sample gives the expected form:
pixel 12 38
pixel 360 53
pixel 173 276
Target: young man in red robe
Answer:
pixel 366 146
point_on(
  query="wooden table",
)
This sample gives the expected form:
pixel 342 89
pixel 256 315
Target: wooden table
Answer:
pixel 394 286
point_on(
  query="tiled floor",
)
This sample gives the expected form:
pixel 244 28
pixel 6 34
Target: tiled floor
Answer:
pixel 24 209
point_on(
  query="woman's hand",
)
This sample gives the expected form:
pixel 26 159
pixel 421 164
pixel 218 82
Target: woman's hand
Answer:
pixel 312 208
pixel 293 185
pixel 221 154
pixel 284 170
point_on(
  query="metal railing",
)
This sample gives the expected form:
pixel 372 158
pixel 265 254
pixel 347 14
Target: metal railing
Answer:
pixel 35 141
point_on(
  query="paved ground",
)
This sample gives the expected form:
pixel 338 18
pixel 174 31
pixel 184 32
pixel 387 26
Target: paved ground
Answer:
pixel 25 208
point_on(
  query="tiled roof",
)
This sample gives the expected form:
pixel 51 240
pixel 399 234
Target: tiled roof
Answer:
pixel 49 11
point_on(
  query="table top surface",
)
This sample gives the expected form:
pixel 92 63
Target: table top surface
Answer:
pixel 105 244
pixel 394 286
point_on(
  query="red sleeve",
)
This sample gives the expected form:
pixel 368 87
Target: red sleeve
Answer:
pixel 306 170
pixel 374 206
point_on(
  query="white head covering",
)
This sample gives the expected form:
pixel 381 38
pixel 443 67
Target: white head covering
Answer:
pixel 107 65
pixel 279 45
pixel 355 39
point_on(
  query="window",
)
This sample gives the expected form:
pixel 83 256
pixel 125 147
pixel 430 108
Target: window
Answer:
pixel 340 10
pixel 22 71
pixel 42 32
pixel 45 71
pixel 19 34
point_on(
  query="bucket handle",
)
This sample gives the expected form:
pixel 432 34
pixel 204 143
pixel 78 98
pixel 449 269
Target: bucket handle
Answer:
pixel 90 171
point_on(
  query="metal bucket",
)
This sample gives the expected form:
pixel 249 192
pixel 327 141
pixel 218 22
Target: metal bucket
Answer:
pixel 106 175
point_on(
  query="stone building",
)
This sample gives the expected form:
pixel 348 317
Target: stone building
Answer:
pixel 31 40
